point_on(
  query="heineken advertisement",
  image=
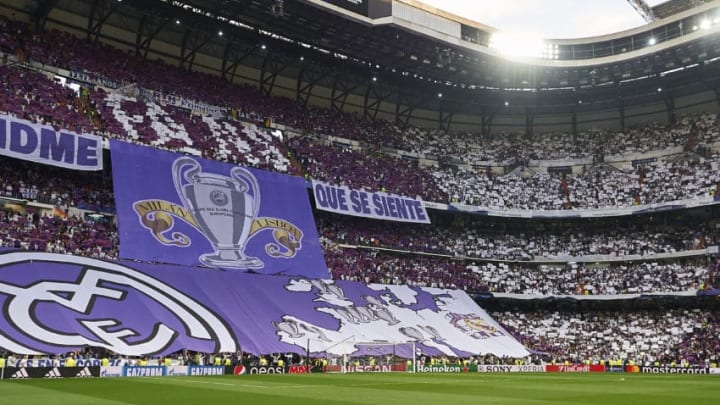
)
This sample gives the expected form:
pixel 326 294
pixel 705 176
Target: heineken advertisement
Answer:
pixel 481 368
pixel 447 368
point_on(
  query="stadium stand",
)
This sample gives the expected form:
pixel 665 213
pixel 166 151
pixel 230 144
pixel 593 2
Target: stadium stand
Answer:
pixel 141 102
pixel 479 238
pixel 371 266
pixel 645 337
pixel 137 117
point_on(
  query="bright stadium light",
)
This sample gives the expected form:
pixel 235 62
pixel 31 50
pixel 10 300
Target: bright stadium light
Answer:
pixel 652 41
pixel 550 51
pixel 705 24
pixel 518 45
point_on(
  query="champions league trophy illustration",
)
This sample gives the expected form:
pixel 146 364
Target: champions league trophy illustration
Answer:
pixel 224 209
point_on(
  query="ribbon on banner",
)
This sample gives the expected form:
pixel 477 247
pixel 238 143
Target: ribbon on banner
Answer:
pixel 157 216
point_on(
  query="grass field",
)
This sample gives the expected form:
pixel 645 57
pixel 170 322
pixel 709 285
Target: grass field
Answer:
pixel 393 389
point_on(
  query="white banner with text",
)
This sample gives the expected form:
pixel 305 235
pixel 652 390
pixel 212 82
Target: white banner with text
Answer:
pixel 367 204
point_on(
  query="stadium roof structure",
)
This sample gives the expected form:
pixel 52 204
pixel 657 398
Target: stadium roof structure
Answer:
pixel 414 56
pixel 672 7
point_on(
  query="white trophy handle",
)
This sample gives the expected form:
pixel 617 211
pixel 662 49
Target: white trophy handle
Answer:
pixel 244 175
pixel 177 173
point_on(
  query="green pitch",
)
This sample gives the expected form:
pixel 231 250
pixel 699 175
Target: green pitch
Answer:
pixel 393 389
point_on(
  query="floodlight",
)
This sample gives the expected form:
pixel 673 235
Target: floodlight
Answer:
pixel 518 45
pixel 652 41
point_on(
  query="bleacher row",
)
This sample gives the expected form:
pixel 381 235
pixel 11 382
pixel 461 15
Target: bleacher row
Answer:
pixel 539 280
pixel 139 119
pixel 667 337
pixel 125 107
pixel 132 114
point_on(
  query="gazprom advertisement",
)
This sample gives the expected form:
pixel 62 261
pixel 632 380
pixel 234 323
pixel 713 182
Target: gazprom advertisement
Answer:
pixel 174 208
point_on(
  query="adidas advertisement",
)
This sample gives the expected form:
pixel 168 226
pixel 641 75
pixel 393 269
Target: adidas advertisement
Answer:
pixel 85 373
pixel 19 373
pixel 53 373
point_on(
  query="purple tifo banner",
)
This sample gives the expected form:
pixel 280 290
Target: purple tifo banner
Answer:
pixel 60 303
pixel 178 209
pixel 361 203
pixel 40 143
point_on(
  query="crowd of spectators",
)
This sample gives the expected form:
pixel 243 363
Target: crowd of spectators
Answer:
pixel 365 170
pixel 51 185
pixel 609 278
pixel 593 279
pixel 386 268
pixel 35 97
pixel 29 230
pixel 140 119
pixel 667 337
pixel 477 239
pixel 137 117
pixel 101 62
pixel 504 148
pixel 601 186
